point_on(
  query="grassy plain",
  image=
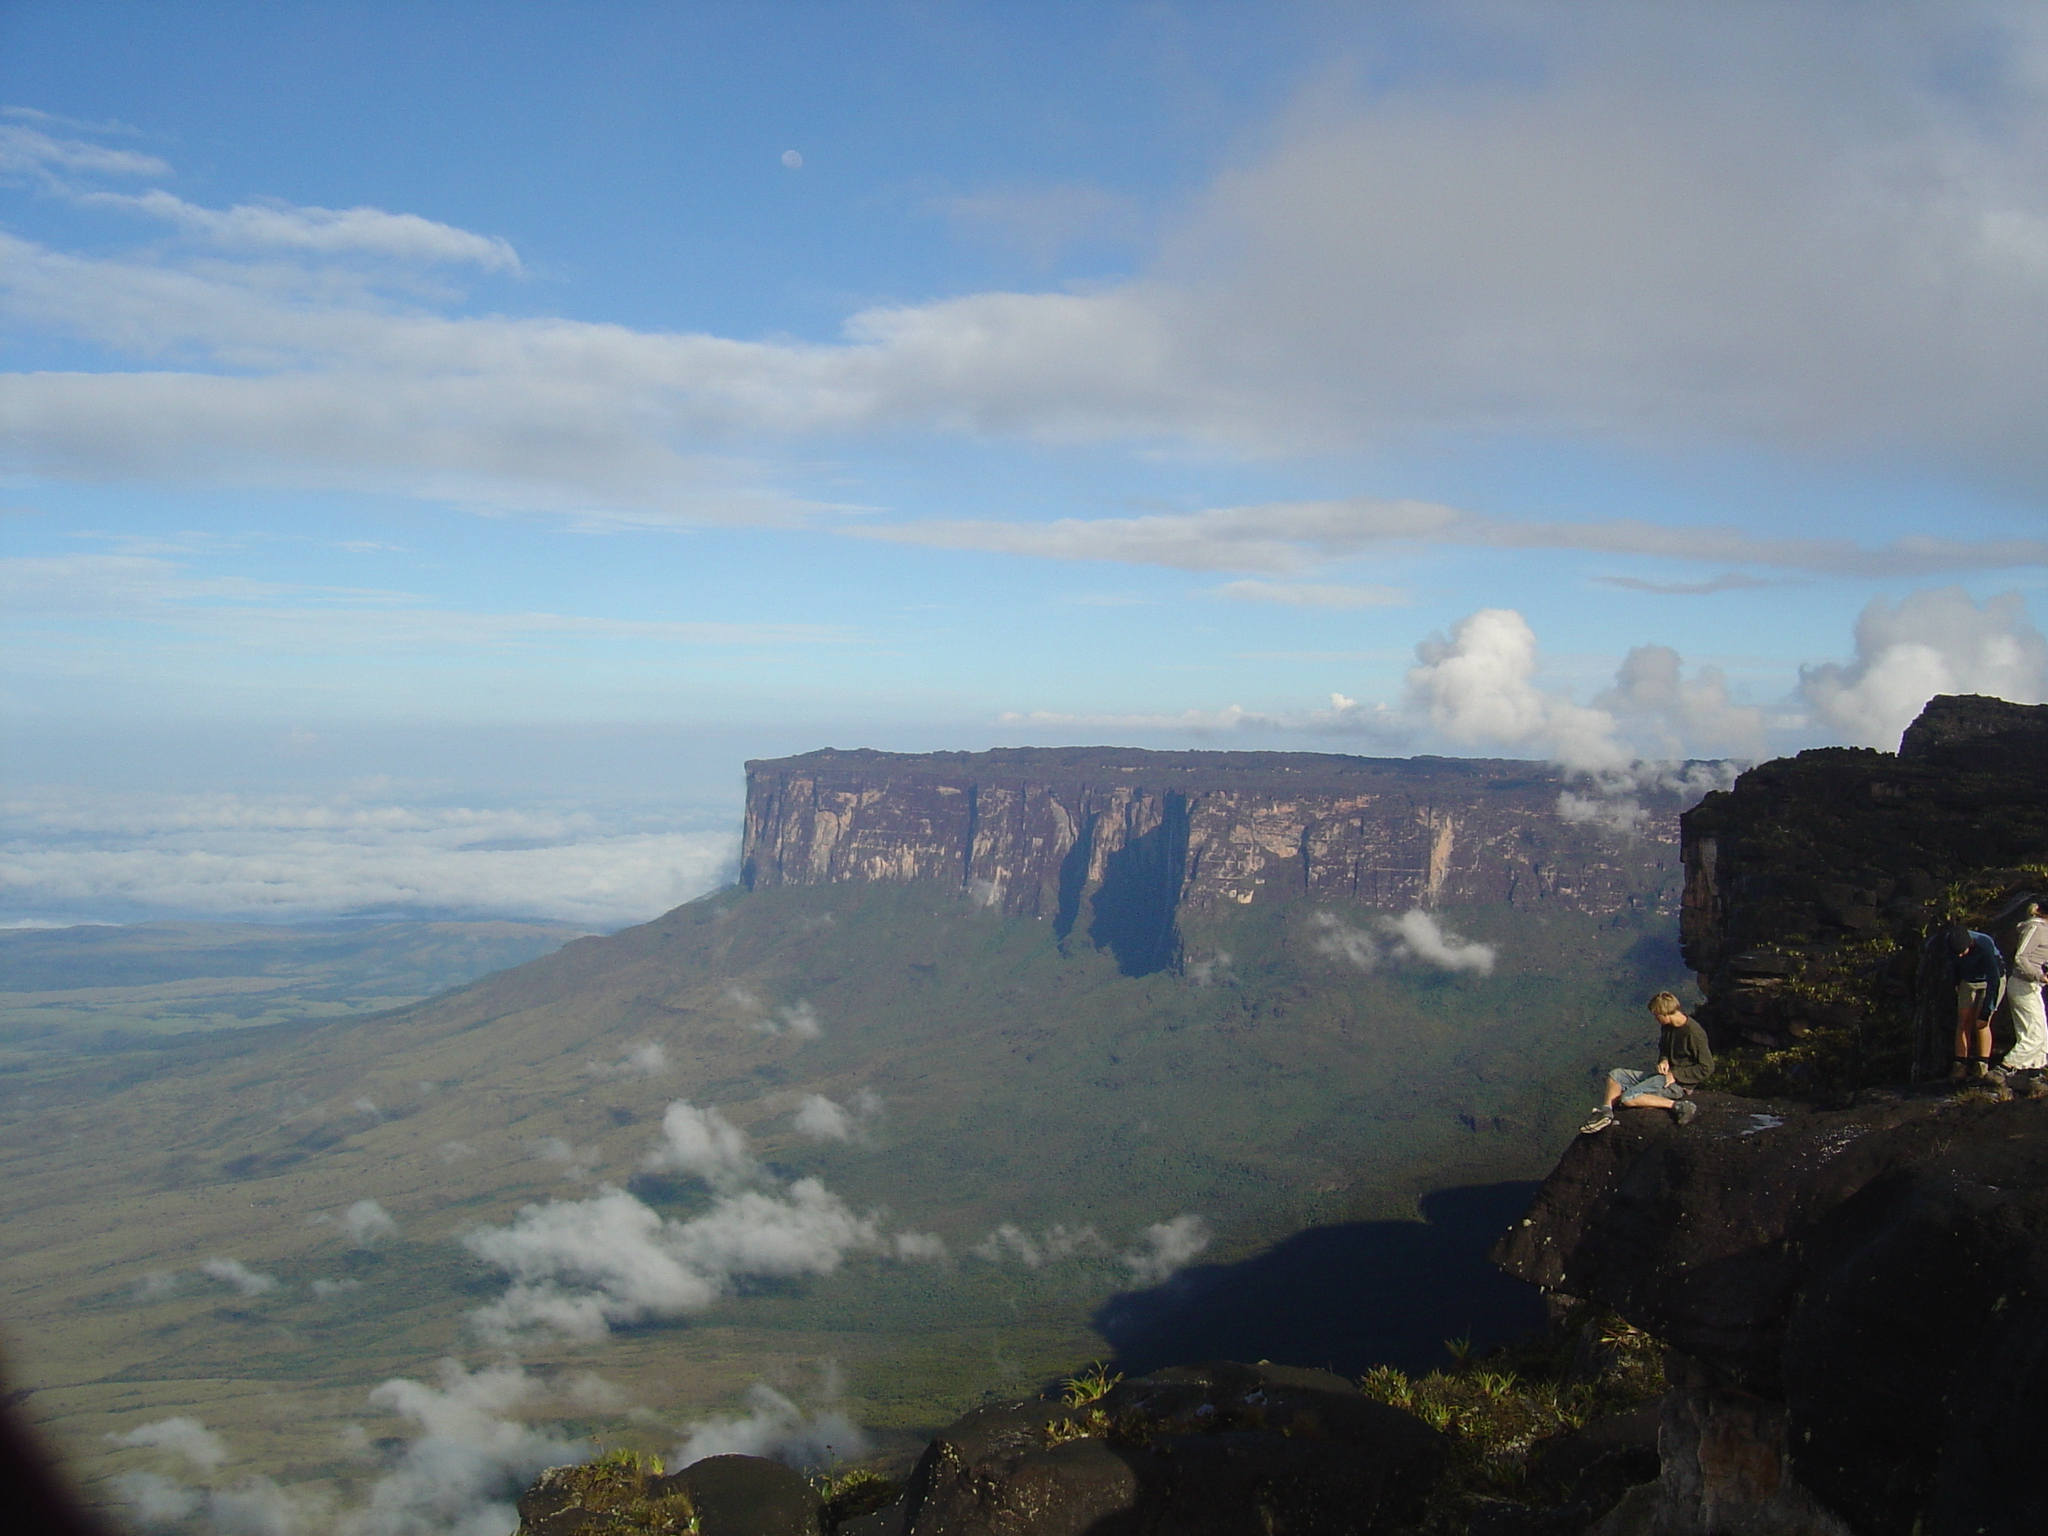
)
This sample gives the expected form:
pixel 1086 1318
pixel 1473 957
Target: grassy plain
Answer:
pixel 1272 1086
pixel 100 987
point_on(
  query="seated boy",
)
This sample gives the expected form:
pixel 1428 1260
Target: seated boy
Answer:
pixel 1684 1061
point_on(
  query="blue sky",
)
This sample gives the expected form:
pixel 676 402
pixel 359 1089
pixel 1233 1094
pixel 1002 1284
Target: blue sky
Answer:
pixel 487 425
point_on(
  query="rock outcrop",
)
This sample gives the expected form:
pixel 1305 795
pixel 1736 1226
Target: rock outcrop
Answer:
pixel 1117 842
pixel 1857 1301
pixel 1812 885
pixel 1212 1450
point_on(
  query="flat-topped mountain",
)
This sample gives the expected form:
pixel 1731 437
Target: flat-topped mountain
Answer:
pixel 1119 842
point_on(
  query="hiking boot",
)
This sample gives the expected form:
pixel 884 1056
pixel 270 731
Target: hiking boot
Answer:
pixel 1959 1071
pixel 1599 1120
pixel 1684 1110
pixel 1979 1070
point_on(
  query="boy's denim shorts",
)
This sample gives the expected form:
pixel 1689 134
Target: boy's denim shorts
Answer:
pixel 1634 1084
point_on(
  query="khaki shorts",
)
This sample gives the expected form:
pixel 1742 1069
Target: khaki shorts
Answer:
pixel 1970 994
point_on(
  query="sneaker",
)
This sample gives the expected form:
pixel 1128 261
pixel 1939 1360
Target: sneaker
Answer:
pixel 1599 1120
pixel 1958 1072
pixel 1979 1069
pixel 1684 1110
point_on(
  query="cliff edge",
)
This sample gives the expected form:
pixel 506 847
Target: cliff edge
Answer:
pixel 1117 843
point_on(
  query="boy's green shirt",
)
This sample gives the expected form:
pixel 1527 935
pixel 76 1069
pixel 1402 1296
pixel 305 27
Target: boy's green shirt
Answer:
pixel 1685 1047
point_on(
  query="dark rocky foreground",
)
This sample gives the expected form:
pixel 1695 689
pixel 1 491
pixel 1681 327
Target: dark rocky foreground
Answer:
pixel 1856 1301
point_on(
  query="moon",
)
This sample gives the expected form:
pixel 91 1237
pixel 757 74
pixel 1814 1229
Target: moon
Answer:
pixel 792 159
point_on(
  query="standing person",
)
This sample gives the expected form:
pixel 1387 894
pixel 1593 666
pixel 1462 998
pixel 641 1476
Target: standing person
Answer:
pixel 1978 971
pixel 1684 1061
pixel 2029 1051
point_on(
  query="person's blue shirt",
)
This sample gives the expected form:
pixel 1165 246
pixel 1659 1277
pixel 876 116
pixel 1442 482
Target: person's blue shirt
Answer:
pixel 1980 962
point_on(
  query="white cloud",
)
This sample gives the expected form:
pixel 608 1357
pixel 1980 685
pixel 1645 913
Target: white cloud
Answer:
pixel 322 231
pixel 468 1460
pixel 647 1059
pixel 1056 1243
pixel 823 1120
pixel 1648 225
pixel 233 1272
pixel 1414 937
pixel 918 1247
pixel 1680 715
pixel 459 1473
pixel 366 1223
pixel 325 1289
pixel 705 1145
pixel 801 1020
pixel 775 1426
pixel 1332 936
pixel 1477 688
pixel 1930 642
pixel 182 1437
pixel 1419 937
pixel 156 1285
pixel 1165 1247
pixel 580 1266
pixel 24 150
pixel 292 857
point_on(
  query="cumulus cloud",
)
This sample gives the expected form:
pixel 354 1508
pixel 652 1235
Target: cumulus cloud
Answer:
pixel 1680 714
pixel 459 1472
pixel 1414 937
pixel 233 1272
pixel 823 1120
pixel 1930 642
pixel 705 1145
pixel 579 1267
pixel 647 1059
pixel 366 1223
pixel 325 1289
pixel 284 857
pixel 185 1438
pixel 775 1426
pixel 469 1457
pixel 918 1247
pixel 1165 1247
pixel 156 1285
pixel 1477 687
pixel 1421 938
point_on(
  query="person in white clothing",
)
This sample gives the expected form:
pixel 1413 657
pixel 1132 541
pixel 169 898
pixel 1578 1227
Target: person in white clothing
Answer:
pixel 2029 1051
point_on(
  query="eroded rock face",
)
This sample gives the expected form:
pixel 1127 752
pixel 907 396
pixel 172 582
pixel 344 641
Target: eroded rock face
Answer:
pixel 1212 1450
pixel 1115 842
pixel 1811 886
pixel 1872 1282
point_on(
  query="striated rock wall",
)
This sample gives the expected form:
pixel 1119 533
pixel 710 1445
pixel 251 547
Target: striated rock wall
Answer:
pixel 1127 838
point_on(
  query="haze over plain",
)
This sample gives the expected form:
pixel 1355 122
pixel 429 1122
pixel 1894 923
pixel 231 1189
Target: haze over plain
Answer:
pixel 440 445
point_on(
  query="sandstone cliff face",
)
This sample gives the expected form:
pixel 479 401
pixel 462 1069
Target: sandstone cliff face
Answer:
pixel 1811 887
pixel 1126 839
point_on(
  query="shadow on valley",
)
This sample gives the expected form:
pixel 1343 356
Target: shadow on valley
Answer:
pixel 1345 1297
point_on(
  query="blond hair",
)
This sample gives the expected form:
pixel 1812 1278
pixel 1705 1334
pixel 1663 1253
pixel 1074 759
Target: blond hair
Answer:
pixel 1665 1004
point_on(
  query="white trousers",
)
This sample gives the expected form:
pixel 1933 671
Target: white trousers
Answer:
pixel 2030 1026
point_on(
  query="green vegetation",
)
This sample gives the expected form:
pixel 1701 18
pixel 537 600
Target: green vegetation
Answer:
pixel 614 1495
pixel 1016 1086
pixel 101 988
pixel 1502 1412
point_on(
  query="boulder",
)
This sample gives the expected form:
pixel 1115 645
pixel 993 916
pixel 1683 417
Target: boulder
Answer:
pixel 1858 1299
pixel 1211 1450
